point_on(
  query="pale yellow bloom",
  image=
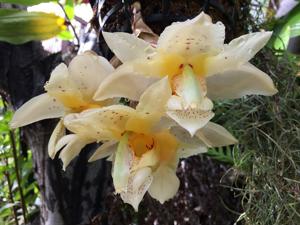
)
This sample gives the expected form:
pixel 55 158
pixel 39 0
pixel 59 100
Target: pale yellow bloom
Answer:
pixel 144 146
pixel 69 89
pixel 198 64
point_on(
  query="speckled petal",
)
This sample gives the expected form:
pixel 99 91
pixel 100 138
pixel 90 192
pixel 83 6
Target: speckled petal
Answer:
pixel 237 52
pixel 196 36
pixel 191 119
pixel 126 46
pixel 138 184
pixel 238 82
pixel 106 123
pixel 63 88
pixel 88 70
pixel 38 108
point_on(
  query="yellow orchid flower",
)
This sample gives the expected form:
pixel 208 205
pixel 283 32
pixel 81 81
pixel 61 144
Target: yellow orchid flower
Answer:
pixel 144 146
pixel 199 65
pixel 69 89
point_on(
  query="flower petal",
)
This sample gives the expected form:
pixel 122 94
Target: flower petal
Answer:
pixel 191 119
pixel 88 70
pixel 105 150
pixel 236 83
pixel 214 135
pixel 138 184
pixel 187 150
pixel 155 97
pixel 122 164
pixel 106 123
pixel 124 82
pixel 165 184
pixel 237 52
pixel 73 145
pixel 58 132
pixel 151 108
pixel 188 146
pixel 63 88
pixel 126 46
pixel 196 36
pixel 38 108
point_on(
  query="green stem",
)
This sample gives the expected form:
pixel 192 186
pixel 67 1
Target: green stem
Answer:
pixel 6 173
pixel 14 149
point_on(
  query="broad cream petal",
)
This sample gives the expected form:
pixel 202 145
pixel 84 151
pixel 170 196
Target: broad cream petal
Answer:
pixel 58 133
pixel 38 108
pixel 187 150
pixel 126 46
pixel 124 82
pixel 106 123
pixel 87 71
pixel 138 184
pixel 237 52
pixel 238 82
pixel 105 150
pixel 63 88
pixel 151 108
pixel 155 97
pixel 214 135
pixel 196 36
pixel 188 145
pixel 165 184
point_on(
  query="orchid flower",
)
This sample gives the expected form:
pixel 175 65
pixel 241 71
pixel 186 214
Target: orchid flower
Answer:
pixel 199 65
pixel 143 145
pixel 69 89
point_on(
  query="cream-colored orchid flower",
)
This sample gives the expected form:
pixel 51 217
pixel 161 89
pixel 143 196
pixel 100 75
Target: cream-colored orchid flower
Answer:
pixel 69 89
pixel 198 63
pixel 144 150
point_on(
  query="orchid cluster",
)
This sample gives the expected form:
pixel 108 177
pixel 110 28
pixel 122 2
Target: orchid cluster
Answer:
pixel 174 82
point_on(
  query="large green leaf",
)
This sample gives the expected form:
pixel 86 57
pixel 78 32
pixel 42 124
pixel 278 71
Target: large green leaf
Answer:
pixel 287 27
pixel 25 2
pixel 17 26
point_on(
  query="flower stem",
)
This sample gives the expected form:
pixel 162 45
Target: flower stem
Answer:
pixel 14 149
pixel 6 173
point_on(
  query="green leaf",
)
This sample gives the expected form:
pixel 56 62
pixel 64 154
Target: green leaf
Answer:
pixel 18 27
pixel 25 2
pixel 287 27
pixel 222 154
pixel 69 8
pixel 66 35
